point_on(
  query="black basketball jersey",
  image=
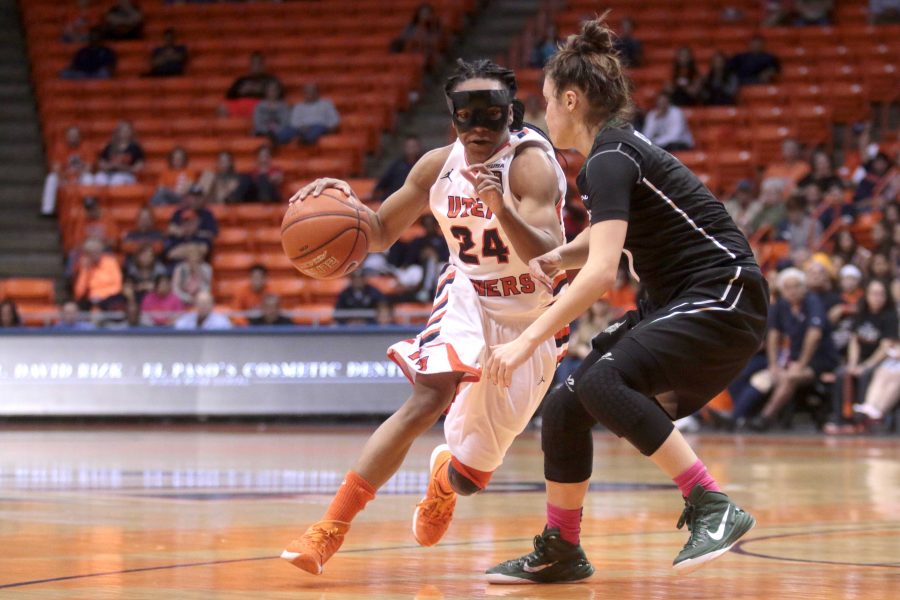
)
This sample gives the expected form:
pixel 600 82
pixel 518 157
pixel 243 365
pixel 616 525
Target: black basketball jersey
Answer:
pixel 677 229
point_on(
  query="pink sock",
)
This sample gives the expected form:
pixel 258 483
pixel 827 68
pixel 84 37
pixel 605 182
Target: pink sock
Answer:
pixel 567 520
pixel 696 474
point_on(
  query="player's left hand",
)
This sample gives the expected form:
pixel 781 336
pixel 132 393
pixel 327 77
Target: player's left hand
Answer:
pixel 487 185
pixel 503 359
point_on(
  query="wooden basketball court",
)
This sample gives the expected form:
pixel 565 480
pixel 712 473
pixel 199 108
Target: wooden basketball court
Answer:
pixel 156 512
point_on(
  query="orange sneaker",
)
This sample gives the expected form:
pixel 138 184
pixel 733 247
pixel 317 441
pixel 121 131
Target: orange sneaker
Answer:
pixel 435 511
pixel 316 546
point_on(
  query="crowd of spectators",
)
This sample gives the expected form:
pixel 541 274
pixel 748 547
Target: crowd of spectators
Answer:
pixel 834 219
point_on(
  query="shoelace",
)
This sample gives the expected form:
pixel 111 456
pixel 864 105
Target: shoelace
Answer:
pixel 537 556
pixel 322 535
pixel 437 506
pixel 687 516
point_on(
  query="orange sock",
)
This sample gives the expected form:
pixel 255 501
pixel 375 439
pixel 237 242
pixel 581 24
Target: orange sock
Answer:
pixel 353 495
pixel 479 478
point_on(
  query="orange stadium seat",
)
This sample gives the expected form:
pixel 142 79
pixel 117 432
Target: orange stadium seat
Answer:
pixel 318 313
pixel 27 289
pixel 293 290
pixel 276 262
pixel 327 290
pixel 267 239
pixel 232 239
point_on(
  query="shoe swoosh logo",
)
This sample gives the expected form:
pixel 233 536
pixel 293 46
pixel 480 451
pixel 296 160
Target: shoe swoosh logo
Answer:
pixel 718 533
pixel 529 569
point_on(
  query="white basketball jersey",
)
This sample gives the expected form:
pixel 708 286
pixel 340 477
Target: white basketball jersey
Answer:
pixel 478 245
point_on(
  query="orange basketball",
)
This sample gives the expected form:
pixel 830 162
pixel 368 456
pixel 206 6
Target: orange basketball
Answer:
pixel 325 236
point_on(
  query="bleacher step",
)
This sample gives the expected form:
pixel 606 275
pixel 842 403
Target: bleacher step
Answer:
pixel 20 193
pixel 31 264
pixel 20 172
pixel 30 241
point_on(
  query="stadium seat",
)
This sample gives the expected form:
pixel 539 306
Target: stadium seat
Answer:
pixel 327 290
pixel 28 289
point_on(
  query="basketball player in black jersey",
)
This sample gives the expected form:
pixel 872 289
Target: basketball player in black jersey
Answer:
pixel 703 318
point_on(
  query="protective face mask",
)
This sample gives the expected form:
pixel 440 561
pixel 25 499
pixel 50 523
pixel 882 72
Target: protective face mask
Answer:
pixel 486 108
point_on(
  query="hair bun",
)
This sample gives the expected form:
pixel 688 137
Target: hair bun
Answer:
pixel 595 37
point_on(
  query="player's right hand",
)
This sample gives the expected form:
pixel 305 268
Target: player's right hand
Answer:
pixel 545 267
pixel 316 187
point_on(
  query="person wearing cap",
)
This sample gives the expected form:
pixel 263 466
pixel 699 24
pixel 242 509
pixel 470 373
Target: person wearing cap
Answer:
pixel 843 313
pixel 194 206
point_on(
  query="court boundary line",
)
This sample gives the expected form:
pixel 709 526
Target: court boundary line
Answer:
pixel 737 549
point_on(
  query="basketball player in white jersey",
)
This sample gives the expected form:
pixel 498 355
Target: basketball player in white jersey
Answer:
pixel 497 197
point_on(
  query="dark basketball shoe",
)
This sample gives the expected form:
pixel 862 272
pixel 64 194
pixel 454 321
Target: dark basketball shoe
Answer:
pixel 715 523
pixel 554 560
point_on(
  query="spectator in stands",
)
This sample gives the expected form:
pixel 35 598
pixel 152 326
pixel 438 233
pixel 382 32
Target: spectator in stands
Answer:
pixel 132 318
pixel 98 281
pixel 812 12
pixel 873 330
pixel 797 228
pixel 170 59
pixel 193 208
pixel 740 205
pixel 188 233
pixel 756 65
pixel 175 180
pixel 820 274
pixel 78 23
pixel 799 319
pixel 877 174
pixel 822 174
pixel 70 318
pixel 769 209
pixel 203 316
pixel 842 314
pixel 123 21
pixel 144 233
pixel 272 115
pixel 667 127
pixel 162 305
pixel 122 159
pixel 884 389
pixel 719 86
pixel 791 168
pixel 884 12
pixel 263 183
pixel 93 61
pixel 9 314
pixel 384 314
pixel 192 275
pixel 250 296
pixel 312 118
pixel 224 184
pixel 684 88
pixel 70 166
pixel 880 267
pixel 423 35
pixel 247 90
pixel 628 47
pixel 847 251
pixel 393 178
pixel 141 271
pixel 271 313
pixel 546 47
pixel 583 331
pixel 359 295
pixel 97 223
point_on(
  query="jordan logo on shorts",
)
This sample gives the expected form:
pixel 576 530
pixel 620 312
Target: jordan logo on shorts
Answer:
pixel 607 356
pixel 614 327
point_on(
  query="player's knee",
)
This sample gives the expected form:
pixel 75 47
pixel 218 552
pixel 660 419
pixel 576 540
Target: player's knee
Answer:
pixel 566 437
pixel 562 413
pixel 626 412
pixel 461 484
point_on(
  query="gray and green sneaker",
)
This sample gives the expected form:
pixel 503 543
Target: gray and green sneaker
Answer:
pixel 715 523
pixel 554 560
